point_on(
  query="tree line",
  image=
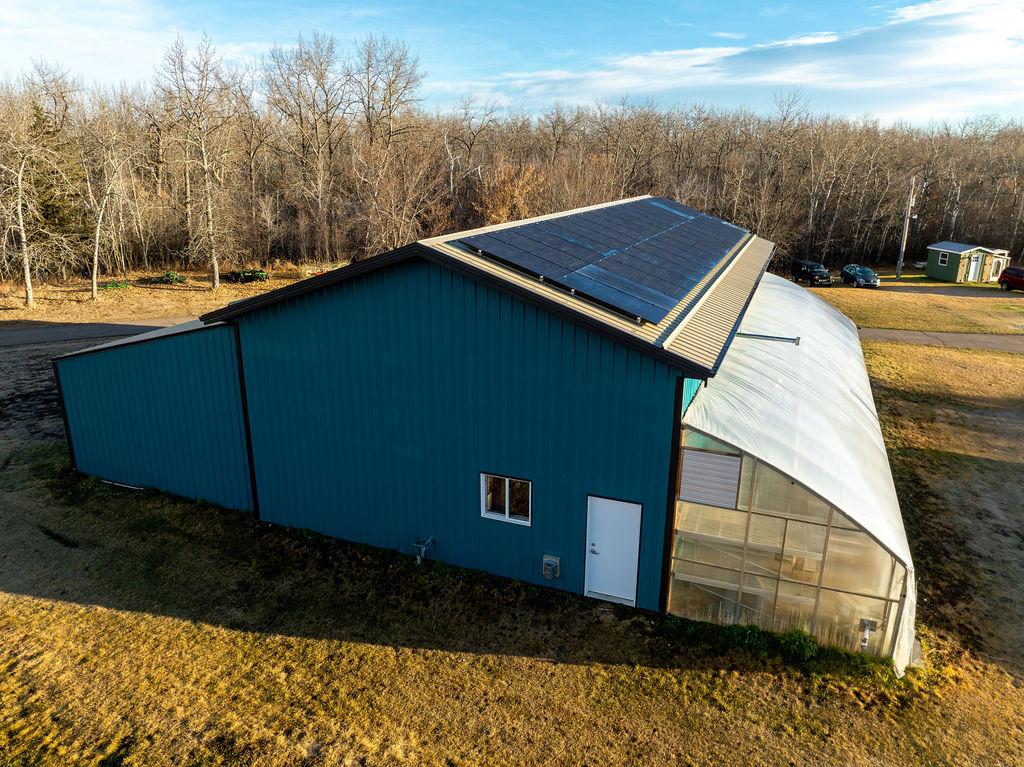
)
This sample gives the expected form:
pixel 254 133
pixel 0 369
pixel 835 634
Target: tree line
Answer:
pixel 321 153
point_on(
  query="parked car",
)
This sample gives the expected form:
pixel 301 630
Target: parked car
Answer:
pixel 811 272
pixel 1012 278
pixel 860 276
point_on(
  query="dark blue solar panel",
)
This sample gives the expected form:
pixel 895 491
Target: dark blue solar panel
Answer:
pixel 640 257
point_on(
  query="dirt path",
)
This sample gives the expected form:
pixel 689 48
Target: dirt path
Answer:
pixel 988 341
pixel 47 332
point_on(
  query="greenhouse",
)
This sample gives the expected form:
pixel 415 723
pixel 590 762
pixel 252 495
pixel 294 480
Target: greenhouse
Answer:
pixel 786 515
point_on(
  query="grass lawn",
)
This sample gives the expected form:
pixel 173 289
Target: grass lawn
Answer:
pixel 138 629
pixel 71 301
pixel 915 304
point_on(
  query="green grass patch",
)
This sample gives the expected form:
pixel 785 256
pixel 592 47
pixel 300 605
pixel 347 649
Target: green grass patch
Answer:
pixel 167 278
pixel 114 285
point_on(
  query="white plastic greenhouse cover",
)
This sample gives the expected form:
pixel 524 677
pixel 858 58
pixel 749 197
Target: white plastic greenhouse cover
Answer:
pixel 806 409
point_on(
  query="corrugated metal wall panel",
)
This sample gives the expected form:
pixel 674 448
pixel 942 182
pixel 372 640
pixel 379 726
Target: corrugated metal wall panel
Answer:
pixel 375 404
pixel 690 388
pixel 710 478
pixel 165 414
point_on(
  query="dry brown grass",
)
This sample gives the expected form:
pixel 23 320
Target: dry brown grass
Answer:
pixel 71 301
pixel 931 306
pixel 954 426
pixel 137 629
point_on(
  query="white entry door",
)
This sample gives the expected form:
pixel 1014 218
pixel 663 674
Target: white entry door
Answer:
pixel 974 272
pixel 613 549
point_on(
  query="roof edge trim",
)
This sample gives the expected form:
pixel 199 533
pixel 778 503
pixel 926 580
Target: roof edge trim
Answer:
pixel 136 340
pixel 742 314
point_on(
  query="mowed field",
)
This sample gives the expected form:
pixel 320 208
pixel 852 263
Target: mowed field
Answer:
pixel 916 302
pixel 138 629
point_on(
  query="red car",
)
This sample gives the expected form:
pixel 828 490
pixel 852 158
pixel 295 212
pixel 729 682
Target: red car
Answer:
pixel 1012 278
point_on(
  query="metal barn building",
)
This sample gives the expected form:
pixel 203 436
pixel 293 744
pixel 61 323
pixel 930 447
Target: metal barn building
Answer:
pixel 615 401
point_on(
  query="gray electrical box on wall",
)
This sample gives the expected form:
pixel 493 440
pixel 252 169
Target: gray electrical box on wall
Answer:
pixel 551 567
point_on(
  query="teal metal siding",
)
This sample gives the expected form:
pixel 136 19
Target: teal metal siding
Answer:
pixel 690 388
pixel 165 414
pixel 374 404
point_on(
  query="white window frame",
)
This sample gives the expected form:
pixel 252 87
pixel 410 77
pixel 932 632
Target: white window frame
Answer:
pixel 528 522
pixel 943 259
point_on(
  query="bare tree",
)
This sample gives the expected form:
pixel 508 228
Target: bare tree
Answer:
pixel 324 154
pixel 197 85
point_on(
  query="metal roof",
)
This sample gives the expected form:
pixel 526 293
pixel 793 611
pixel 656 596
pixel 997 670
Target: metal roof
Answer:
pixel 693 335
pixel 150 335
pixel 639 257
pixel 956 247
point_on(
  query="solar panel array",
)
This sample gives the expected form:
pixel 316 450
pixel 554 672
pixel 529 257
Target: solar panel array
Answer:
pixel 640 258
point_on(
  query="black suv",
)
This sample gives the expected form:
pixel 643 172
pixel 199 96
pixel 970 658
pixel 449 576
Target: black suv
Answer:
pixel 811 272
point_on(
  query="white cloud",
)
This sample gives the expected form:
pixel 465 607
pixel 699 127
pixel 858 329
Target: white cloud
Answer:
pixel 107 41
pixel 110 40
pixel 942 59
pixel 729 35
pixel 816 38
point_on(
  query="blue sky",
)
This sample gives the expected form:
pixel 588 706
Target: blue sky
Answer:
pixel 913 61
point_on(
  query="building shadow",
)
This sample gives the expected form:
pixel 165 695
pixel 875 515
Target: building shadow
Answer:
pixel 73 539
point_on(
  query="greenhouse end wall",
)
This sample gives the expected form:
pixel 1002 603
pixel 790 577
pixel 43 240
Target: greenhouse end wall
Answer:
pixel 751 546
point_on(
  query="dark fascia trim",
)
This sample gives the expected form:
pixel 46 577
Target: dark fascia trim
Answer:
pixel 739 317
pixel 418 250
pixel 673 487
pixel 253 489
pixel 140 342
pixel 64 413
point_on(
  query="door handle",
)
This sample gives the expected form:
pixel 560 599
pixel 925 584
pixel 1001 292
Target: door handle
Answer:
pixel 593 549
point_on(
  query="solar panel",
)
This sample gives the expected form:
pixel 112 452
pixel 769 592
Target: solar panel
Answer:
pixel 640 258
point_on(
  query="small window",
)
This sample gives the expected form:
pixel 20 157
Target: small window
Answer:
pixel 505 498
pixel 943 259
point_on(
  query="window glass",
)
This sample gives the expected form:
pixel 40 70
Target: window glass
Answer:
pixel 505 498
pixel 764 545
pixel 756 607
pixel 839 621
pixel 794 606
pixel 494 494
pixel 759 584
pixel 703 442
pixel 801 559
pixel 519 499
pixel 711 521
pixel 714 576
pixel 701 602
pixel 841 520
pixel 775 493
pixel 899 576
pixel 746 475
pixel 856 563
pixel 722 553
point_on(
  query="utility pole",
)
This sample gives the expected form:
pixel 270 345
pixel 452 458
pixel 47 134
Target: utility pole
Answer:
pixel 906 227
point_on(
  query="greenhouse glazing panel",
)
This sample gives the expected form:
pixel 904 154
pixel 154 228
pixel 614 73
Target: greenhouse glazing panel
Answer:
pixel 783 559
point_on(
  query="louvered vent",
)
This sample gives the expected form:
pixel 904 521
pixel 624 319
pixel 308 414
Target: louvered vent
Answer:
pixel 710 478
